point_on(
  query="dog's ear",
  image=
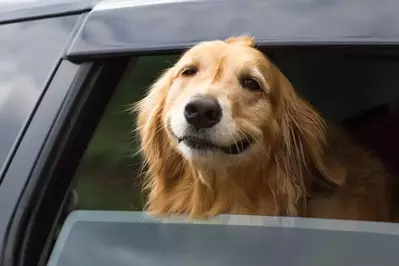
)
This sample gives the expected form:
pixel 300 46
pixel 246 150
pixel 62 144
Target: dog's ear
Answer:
pixel 303 138
pixel 161 161
pixel 242 40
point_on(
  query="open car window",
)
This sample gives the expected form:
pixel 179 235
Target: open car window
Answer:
pixel 110 173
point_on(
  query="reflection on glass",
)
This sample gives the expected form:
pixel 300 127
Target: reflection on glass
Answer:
pixel 29 52
pixel 13 5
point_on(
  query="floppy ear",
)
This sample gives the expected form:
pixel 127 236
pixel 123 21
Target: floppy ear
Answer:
pixel 241 40
pixel 302 140
pixel 161 160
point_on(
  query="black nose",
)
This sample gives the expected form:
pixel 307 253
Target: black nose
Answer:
pixel 203 112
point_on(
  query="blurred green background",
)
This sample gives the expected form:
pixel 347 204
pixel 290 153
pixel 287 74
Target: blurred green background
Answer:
pixel 108 177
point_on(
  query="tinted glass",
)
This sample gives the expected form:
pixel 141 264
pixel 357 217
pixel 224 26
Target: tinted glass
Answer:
pixel 13 5
pixel 132 238
pixel 28 55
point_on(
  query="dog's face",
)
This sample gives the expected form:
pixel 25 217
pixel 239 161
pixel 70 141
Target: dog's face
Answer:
pixel 218 104
pixel 224 110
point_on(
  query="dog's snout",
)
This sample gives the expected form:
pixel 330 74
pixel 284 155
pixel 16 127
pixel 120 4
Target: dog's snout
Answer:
pixel 203 112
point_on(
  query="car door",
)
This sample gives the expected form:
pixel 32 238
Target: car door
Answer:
pixel 80 135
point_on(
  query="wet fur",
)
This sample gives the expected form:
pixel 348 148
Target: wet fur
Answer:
pixel 309 167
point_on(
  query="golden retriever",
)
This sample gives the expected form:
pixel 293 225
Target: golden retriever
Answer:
pixel 223 131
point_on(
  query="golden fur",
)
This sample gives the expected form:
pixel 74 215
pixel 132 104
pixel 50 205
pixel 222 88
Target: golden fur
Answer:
pixel 298 165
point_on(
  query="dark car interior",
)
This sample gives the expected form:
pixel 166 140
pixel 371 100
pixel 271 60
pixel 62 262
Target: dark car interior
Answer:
pixel 354 86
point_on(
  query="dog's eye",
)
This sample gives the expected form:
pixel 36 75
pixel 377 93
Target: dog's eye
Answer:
pixel 189 71
pixel 250 84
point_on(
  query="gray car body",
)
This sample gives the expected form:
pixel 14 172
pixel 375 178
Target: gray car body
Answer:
pixel 89 30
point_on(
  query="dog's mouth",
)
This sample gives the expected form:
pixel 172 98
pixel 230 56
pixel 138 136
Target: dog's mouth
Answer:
pixel 203 144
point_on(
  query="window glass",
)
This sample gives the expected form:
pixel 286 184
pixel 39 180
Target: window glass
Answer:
pixel 108 177
pixel 29 52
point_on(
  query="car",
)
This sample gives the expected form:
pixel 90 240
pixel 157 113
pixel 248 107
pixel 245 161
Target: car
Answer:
pixel 70 70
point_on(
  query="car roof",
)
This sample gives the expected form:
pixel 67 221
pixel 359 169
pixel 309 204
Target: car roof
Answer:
pixel 19 10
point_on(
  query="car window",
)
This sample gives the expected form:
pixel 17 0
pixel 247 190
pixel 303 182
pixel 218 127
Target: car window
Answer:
pixel 108 179
pixel 11 5
pixel 29 53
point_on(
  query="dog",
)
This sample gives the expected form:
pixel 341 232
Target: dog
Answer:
pixel 224 132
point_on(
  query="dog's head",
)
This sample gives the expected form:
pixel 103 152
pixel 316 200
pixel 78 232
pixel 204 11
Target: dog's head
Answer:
pixel 225 104
pixel 218 104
